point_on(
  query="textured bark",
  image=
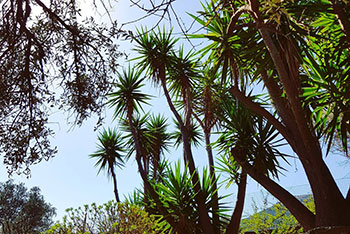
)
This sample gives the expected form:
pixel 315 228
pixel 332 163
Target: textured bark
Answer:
pixel 235 221
pixel 331 207
pixel 330 230
pixel 329 202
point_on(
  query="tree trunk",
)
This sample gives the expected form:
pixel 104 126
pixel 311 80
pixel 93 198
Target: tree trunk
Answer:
pixel 115 185
pixel 200 199
pixel 233 226
pixel 343 18
pixel 178 228
pixel 305 217
pixel 331 207
pixel 155 162
pixel 216 218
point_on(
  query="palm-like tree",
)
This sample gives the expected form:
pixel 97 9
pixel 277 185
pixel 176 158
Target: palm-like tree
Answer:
pixel 206 104
pixel 275 53
pixel 144 138
pixel 127 100
pixel 248 140
pixel 128 97
pixel 157 56
pixel 109 154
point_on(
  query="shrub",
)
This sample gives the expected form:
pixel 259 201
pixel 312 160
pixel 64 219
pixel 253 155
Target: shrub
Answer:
pixel 109 218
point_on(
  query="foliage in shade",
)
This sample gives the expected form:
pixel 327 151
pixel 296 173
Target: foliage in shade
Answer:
pixel 177 195
pixel 50 60
pixel 285 46
pixel 22 210
pixel 256 136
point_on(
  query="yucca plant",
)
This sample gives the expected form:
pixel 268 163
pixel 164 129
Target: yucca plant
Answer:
pixel 157 56
pixel 177 194
pixel 109 154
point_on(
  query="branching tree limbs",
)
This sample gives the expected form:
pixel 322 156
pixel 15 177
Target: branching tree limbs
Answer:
pixel 281 48
pixel 49 61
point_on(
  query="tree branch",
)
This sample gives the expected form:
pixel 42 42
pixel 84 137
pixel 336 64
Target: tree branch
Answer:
pixel 343 18
pixel 236 216
pixel 263 112
pixel 298 210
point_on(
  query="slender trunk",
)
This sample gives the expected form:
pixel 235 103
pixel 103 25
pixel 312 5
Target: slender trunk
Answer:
pixel 200 199
pixel 155 162
pixel 178 228
pixel 145 164
pixel 216 218
pixel 115 185
pixel 233 226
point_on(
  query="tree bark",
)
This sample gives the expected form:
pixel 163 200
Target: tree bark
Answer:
pixel 305 217
pixel 343 18
pixel 115 185
pixel 330 204
pixel 235 220
pixel 216 218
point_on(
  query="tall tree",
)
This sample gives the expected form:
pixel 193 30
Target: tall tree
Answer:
pixel 299 52
pixel 157 56
pixel 126 100
pixel 109 154
pixel 23 211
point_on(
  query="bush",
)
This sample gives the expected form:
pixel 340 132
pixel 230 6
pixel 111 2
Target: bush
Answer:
pixel 109 218
pixel 275 219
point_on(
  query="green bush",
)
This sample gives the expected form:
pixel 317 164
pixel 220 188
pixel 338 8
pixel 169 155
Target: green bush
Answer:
pixel 109 218
pixel 275 219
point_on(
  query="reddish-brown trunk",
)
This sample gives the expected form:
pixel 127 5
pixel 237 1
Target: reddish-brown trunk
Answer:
pixel 329 202
pixel 233 226
pixel 343 18
pixel 300 212
pixel 216 218
pixel 115 186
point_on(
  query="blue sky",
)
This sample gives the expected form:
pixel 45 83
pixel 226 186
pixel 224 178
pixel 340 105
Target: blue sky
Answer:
pixel 70 178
